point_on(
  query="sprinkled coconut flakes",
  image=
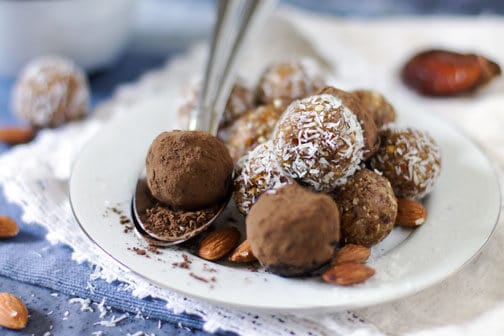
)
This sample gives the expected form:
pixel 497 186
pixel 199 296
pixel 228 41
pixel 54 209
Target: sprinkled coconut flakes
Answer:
pixel 418 167
pixel 329 146
pixel 257 172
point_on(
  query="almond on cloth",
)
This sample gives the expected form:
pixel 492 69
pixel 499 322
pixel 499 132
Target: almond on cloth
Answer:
pixel 351 253
pixel 218 243
pixel 243 253
pixel 8 227
pixel 348 274
pixel 16 135
pixel 13 312
pixel 410 213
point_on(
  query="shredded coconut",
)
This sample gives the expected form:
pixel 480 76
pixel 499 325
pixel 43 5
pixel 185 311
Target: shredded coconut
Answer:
pixel 319 141
pixel 112 322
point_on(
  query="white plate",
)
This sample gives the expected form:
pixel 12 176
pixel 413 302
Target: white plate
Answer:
pixel 463 212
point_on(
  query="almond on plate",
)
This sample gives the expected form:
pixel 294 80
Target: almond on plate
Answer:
pixel 348 274
pixel 410 213
pixel 218 243
pixel 243 253
pixel 351 253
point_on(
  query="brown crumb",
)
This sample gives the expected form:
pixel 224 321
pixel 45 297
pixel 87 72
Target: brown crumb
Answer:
pixel 197 277
pixel 208 269
pixel 124 219
pixel 128 228
pixel 153 249
pixel 139 251
pixel 186 264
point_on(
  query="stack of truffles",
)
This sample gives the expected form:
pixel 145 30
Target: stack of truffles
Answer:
pixel 316 168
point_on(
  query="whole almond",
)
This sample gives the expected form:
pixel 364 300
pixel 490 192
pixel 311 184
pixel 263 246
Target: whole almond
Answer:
pixel 8 227
pixel 348 274
pixel 352 253
pixel 16 135
pixel 13 312
pixel 218 243
pixel 410 213
pixel 243 253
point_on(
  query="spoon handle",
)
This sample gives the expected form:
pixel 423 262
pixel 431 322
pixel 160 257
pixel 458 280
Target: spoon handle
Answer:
pixel 237 20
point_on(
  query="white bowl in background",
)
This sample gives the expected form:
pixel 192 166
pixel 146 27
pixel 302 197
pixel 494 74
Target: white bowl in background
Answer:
pixel 90 32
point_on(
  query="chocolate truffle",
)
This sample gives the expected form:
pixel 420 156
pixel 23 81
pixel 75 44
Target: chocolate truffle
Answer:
pixel 252 129
pixel 188 170
pixel 241 99
pixel 410 159
pixel 368 208
pixel 319 141
pixel 292 231
pixel 50 91
pixel 377 106
pixel 286 81
pixel 371 139
pixel 256 173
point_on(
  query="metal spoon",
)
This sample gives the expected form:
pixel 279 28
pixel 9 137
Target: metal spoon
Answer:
pixel 236 22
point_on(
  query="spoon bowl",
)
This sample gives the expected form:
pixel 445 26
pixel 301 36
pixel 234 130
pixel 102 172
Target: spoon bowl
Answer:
pixel 143 200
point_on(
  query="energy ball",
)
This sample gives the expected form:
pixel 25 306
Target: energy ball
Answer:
pixel 368 208
pixel 410 159
pixel 377 106
pixel 50 91
pixel 256 173
pixel 252 129
pixel 240 101
pixel 292 231
pixel 188 170
pixel 371 139
pixel 319 141
pixel 287 81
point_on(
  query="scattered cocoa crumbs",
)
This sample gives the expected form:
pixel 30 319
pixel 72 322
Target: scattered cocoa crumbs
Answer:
pixel 199 278
pixel 153 249
pixel 124 219
pixel 186 264
pixel 116 210
pixel 165 222
pixel 208 269
pixel 128 228
pixel 139 251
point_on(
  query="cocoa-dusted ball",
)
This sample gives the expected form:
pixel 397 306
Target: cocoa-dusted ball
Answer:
pixel 319 141
pixel 256 173
pixel 252 129
pixel 188 170
pixel 377 106
pixel 50 91
pixel 371 139
pixel 410 159
pixel 368 208
pixel 283 82
pixel 241 99
pixel 292 231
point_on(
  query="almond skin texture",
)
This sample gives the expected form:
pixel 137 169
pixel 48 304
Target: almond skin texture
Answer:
pixel 410 213
pixel 8 227
pixel 16 135
pixel 352 253
pixel 348 274
pixel 447 73
pixel 13 312
pixel 243 253
pixel 218 243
